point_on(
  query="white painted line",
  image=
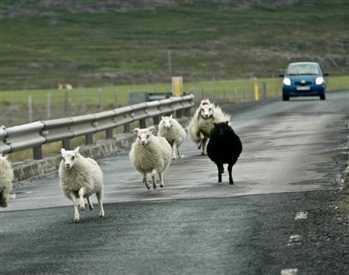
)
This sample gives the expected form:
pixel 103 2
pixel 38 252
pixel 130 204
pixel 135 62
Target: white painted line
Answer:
pixel 301 215
pixel 292 271
pixel 294 239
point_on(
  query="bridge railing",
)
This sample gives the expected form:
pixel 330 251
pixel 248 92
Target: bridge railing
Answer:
pixel 34 135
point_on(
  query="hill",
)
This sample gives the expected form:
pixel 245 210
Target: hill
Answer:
pixel 112 42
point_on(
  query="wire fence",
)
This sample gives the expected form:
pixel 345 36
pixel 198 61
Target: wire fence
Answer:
pixel 17 114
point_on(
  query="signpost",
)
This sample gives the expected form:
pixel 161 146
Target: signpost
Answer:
pixel 177 85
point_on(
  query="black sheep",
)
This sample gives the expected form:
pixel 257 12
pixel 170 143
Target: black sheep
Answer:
pixel 224 146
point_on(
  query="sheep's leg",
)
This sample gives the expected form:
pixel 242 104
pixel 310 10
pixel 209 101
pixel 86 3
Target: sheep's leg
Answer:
pixel 203 146
pixel 12 196
pixel 153 176
pixel 90 205
pixel 3 200
pixel 199 144
pixel 202 142
pixel 178 153
pixel 219 173
pixel 100 202
pixel 174 151
pixel 81 195
pixel 75 205
pixel 220 168
pixel 145 181
pixel 161 177
pixel 230 170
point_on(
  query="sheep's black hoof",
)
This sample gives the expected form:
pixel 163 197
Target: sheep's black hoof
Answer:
pixel 231 182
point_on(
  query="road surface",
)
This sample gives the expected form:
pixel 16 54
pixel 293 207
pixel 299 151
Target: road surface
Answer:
pixel 285 214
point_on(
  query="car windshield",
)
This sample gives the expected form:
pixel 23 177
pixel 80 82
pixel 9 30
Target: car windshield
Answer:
pixel 298 69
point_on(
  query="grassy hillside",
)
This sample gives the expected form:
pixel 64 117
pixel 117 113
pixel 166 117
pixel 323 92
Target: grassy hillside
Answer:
pixel 104 43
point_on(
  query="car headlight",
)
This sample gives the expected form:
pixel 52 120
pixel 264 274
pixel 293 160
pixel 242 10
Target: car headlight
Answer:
pixel 319 80
pixel 287 81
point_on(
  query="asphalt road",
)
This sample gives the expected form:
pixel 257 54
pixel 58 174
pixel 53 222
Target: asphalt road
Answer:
pixel 285 214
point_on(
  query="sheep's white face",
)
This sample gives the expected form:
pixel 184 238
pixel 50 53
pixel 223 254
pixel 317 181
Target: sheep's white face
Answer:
pixel 69 157
pixel 167 121
pixel 206 111
pixel 143 135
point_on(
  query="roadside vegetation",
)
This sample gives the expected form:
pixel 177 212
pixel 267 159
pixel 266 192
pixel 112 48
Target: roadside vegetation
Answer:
pixel 113 43
pixel 91 95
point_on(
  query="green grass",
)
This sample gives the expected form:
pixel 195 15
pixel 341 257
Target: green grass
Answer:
pixel 43 45
pixel 91 95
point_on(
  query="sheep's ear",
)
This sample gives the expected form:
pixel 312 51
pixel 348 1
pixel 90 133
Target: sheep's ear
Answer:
pixel 170 116
pixel 77 150
pixel 135 130
pixel 162 118
pixel 151 128
pixel 62 151
pixel 226 122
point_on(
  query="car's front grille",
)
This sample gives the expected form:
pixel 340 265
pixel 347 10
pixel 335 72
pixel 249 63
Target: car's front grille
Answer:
pixel 303 83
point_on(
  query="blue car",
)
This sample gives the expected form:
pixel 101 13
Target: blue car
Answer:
pixel 303 79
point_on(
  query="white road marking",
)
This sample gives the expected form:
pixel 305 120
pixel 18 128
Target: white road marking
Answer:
pixel 294 239
pixel 291 271
pixel 301 215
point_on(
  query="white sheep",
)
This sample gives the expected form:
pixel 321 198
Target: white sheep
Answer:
pixel 202 123
pixel 6 177
pixel 81 177
pixel 150 154
pixel 173 132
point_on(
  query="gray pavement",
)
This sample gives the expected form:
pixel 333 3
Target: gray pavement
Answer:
pixel 285 214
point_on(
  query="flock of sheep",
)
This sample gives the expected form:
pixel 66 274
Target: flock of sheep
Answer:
pixel 81 177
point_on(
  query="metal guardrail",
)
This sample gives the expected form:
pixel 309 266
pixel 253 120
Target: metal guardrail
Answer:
pixel 35 134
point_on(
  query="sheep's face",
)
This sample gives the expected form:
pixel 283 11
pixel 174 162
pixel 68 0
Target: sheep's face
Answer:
pixel 69 157
pixel 206 111
pixel 167 121
pixel 143 135
pixel 221 129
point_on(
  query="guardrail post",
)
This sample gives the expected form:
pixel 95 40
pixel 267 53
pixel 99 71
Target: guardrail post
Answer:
pixel 37 152
pixel 179 113
pixel 109 133
pixel 142 123
pixel 127 128
pixel 156 120
pixel 89 139
pixel 66 144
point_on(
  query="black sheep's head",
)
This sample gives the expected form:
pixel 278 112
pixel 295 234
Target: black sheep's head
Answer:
pixel 221 128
